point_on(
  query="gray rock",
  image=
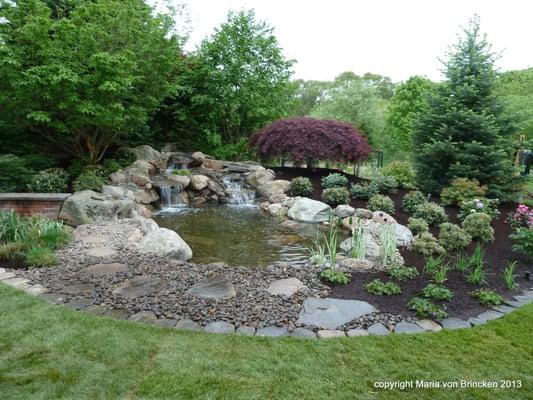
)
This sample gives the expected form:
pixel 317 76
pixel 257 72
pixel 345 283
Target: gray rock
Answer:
pixel 272 188
pixel 79 288
pixel 146 317
pixel 198 158
pixel 220 327
pixel 273 331
pixel 503 309
pixel 303 333
pixel 277 210
pixel 146 196
pixel 216 287
pixel 356 265
pixel 524 299
pixel 259 178
pixel 378 330
pixel 102 252
pixel 429 325
pixel 245 330
pixel 514 303
pixel 138 286
pixel 188 324
pixel 166 243
pixel 105 269
pixel 165 322
pixel 6 275
pixel 117 192
pixel 344 211
pixel 455 323
pixel 363 213
pixel 80 303
pixel 408 327
pixel 330 334
pixel 285 287
pixel 199 182
pixel 485 317
pixel 96 309
pixel 35 290
pixel 179 180
pixel 116 313
pixel 330 313
pixel 146 152
pixel 54 298
pixel 309 211
pixel 357 332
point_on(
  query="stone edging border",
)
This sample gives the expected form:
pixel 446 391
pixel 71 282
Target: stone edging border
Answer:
pixel 378 329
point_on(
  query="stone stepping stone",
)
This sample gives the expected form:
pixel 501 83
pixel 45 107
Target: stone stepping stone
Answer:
pixel 216 287
pixel 303 333
pixel 408 327
pixel 80 303
pixel 35 290
pixel 105 269
pixel 329 334
pixel 514 303
pixel 503 309
pixel 245 330
pixel 95 239
pixel 96 309
pixel 429 325
pixel 357 332
pixel 378 329
pixel 18 283
pixel 220 327
pixel 524 299
pixel 78 288
pixel 55 298
pixel 165 322
pixel 6 275
pixel 138 286
pixel 116 313
pixel 455 323
pixel 330 313
pixel 272 331
pixel 188 324
pixel 485 317
pixel 102 252
pixel 146 317
pixel 285 287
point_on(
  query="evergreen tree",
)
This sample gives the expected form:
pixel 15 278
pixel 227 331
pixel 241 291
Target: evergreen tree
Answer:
pixel 464 132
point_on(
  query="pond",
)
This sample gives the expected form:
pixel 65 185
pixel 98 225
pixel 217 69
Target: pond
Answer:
pixel 237 235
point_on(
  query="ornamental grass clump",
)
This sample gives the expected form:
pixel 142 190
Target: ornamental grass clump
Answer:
pixel 359 241
pixel 388 244
pixel 509 276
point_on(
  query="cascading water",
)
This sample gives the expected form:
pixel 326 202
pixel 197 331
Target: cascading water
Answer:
pixel 171 197
pixel 237 193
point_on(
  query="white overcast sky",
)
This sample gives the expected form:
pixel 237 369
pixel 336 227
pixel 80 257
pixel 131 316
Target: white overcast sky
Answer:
pixel 394 38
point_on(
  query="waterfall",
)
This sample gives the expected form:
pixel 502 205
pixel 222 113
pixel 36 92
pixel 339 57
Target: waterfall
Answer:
pixel 237 193
pixel 171 196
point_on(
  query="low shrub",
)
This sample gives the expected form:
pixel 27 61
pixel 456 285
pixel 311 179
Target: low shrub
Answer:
pixel 379 202
pixel 426 309
pixel 402 171
pixel 453 237
pixel 487 206
pixel 412 200
pixel 52 180
pixel 417 225
pixel 181 172
pixel 301 186
pixel 12 251
pixel 333 276
pixel 461 189
pixel 15 173
pixel 110 166
pixel 431 212
pixel 437 292
pixel 487 297
pixel 363 191
pixel 335 196
pixel 477 225
pixel 426 244
pixel 402 273
pixel 522 217
pixel 39 257
pixel 334 180
pixel 89 180
pixel 382 289
pixel 523 242
pixel 125 157
pixel 384 184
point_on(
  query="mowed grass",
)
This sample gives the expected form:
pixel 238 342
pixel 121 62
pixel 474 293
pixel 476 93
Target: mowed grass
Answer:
pixel 51 352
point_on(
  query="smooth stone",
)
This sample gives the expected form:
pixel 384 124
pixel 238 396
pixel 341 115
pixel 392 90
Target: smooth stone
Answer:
pixel 327 313
pixel 36 290
pixel 245 330
pixel 429 325
pixel 363 213
pixel 357 332
pixel 54 298
pixel 303 333
pixel 485 317
pixel 165 322
pixel 503 309
pixel 96 309
pixel 273 331
pixel 198 182
pixel 6 275
pixel 344 210
pixel 277 210
pixel 78 288
pixel 455 323
pixel 80 303
pixel 378 330
pixel 188 324
pixel 116 313
pixel 330 334
pixel 524 299
pixel 515 304
pixel 18 283
pixel 408 327
pixel 165 243
pixel 356 264
pixel 216 287
pixel 219 327
pixel 146 317
pixel 105 269
pixel 285 287
pixel 102 252
pixel 138 286
pixel 309 211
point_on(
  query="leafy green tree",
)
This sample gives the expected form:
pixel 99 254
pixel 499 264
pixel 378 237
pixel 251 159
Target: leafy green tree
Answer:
pixel 464 132
pixel 83 75
pixel 307 96
pixel 409 100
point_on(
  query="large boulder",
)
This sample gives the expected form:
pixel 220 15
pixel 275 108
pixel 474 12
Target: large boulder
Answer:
pixel 344 211
pixel 260 177
pixel 87 207
pixel 118 192
pixel 146 152
pixel 146 196
pixel 272 188
pixel 309 211
pixel 199 182
pixel 179 180
pixel 213 164
pixel 198 159
pixel 166 243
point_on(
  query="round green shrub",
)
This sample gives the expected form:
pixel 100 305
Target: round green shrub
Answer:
pixel 301 186
pixel 335 196
pixel 461 189
pixel 431 212
pixel 453 237
pixel 402 171
pixel 363 191
pixel 477 225
pixel 385 184
pixel 125 157
pixel 417 225
pixel 52 180
pixel 412 200
pixel 426 244
pixel 110 165
pixel 334 180
pixel 89 180
pixel 379 202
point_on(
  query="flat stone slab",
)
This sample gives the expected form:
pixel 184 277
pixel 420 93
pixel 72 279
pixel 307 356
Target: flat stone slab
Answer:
pixel 330 313
pixel 357 332
pixel 138 286
pixel 80 303
pixel 524 299
pixel 146 317
pixel 79 288
pixel 272 331
pixel 485 317
pixel 95 239
pixel 96 309
pixel 220 327
pixel 102 252
pixel 105 269
pixel 378 330
pixel 408 327
pixel 429 325
pixel 54 298
pixel 514 303
pixel 35 290
pixel 455 323
pixel 188 324
pixel 285 287
pixel 503 309
pixel 167 323
pixel 303 333
pixel 116 313
pixel 6 275
pixel 216 287
pixel 18 283
pixel 330 334
pixel 245 330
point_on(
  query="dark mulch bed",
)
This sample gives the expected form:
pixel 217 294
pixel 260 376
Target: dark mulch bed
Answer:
pixel 496 257
pixel 12 264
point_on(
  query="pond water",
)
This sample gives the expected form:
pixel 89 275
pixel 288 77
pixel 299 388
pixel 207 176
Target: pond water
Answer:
pixel 237 235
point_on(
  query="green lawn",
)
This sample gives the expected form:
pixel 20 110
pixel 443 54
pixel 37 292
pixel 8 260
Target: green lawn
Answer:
pixel 51 352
